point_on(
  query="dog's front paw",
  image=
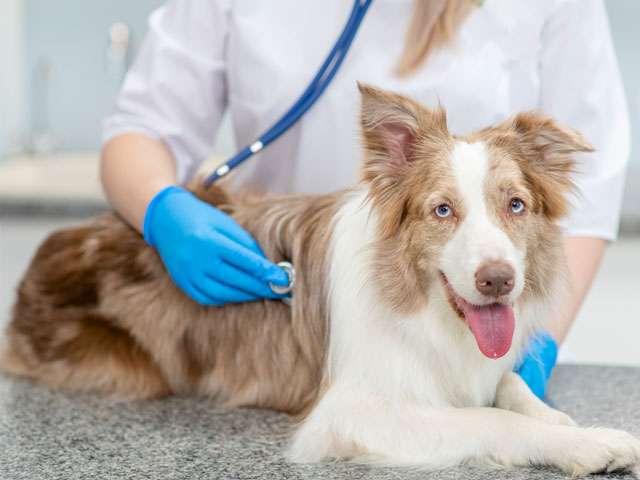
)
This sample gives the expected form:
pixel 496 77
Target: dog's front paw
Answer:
pixel 597 450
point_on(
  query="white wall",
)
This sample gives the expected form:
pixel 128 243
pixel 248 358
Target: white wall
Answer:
pixel 12 113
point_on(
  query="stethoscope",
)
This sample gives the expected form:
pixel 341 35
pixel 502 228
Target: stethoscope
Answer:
pixel 303 104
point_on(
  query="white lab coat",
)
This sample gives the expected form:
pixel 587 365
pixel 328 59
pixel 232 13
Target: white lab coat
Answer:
pixel 255 57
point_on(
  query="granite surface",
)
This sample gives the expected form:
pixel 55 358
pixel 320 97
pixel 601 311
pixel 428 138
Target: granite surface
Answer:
pixel 47 434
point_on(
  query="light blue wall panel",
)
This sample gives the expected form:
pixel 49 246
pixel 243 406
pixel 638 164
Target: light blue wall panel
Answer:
pixel 12 119
pixel 68 89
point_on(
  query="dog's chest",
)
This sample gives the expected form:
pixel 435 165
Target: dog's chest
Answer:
pixel 429 358
pixel 435 368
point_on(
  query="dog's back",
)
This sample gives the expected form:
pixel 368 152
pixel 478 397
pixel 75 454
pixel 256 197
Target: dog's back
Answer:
pixel 97 311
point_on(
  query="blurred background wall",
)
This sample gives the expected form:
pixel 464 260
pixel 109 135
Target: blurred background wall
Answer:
pixel 66 68
pixel 623 18
pixel 12 64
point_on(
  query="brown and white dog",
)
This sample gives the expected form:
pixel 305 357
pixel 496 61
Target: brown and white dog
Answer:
pixel 416 291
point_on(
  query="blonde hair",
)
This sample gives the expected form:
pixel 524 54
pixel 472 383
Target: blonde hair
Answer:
pixel 433 25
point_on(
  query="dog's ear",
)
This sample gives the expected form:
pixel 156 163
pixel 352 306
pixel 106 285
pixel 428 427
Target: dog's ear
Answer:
pixel 392 127
pixel 397 132
pixel 548 151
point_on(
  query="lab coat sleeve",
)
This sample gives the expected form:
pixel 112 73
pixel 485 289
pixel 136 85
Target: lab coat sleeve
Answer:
pixel 581 88
pixel 175 91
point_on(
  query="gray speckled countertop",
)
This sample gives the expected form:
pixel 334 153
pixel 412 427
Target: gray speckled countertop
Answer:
pixel 46 434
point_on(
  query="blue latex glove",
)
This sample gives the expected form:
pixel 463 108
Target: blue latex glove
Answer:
pixel 208 255
pixel 537 364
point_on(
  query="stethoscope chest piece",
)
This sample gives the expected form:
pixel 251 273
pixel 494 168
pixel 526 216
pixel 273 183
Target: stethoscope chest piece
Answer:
pixel 284 289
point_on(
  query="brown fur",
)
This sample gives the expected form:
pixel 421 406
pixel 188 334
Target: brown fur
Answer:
pixel 97 311
pixel 402 184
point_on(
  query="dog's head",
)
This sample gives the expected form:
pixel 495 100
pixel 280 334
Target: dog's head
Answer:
pixel 476 215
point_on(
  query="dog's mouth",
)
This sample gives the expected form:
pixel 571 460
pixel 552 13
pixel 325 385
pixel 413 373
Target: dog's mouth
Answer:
pixel 492 325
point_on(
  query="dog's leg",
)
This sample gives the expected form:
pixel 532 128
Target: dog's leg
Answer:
pixel 514 394
pixel 375 431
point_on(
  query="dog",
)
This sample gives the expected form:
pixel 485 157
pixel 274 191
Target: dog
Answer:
pixel 417 290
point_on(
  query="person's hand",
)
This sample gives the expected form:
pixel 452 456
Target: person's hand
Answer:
pixel 208 255
pixel 536 366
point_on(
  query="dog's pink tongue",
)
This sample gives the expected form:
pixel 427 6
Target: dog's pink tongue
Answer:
pixel 493 327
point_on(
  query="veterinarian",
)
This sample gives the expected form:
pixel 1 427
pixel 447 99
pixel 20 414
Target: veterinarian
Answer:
pixel 484 61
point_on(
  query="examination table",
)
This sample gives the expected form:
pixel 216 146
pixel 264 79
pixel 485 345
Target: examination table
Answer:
pixel 48 434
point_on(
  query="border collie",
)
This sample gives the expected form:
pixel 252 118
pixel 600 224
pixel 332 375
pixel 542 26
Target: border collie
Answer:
pixel 416 290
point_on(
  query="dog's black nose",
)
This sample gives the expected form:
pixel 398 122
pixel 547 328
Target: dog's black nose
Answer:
pixel 495 279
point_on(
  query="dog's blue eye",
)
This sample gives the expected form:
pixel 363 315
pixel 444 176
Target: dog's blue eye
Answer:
pixel 516 205
pixel 443 211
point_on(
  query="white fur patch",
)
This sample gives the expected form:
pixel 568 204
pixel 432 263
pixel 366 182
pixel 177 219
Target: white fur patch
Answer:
pixel 478 239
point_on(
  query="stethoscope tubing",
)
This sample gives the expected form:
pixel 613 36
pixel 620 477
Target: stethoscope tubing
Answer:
pixel 317 86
